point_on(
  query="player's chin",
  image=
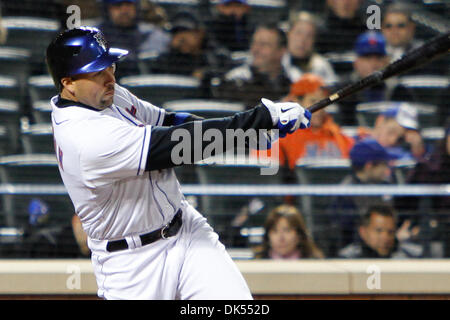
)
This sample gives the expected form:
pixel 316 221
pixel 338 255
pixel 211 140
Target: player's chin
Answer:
pixel 107 101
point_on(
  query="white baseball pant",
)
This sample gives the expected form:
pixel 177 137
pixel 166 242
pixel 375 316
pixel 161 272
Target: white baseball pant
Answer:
pixel 191 265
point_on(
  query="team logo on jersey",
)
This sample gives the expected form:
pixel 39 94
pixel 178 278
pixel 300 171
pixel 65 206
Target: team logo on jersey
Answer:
pixel 132 111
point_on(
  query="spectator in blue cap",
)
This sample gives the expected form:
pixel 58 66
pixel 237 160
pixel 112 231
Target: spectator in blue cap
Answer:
pixel 397 129
pixel 370 51
pixel 370 164
pixel 124 27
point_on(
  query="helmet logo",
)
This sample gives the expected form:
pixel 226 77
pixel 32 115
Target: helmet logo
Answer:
pixel 100 40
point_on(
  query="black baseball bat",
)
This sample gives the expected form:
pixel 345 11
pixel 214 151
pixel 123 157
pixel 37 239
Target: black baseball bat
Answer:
pixel 436 47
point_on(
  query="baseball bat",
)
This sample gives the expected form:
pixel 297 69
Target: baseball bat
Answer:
pixel 436 47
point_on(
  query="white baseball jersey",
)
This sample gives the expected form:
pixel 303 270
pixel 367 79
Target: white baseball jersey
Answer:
pixel 102 156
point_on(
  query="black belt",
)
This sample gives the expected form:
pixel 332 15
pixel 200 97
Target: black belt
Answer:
pixel 169 230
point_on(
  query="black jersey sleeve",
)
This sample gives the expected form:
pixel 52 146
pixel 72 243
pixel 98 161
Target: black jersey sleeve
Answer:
pixel 162 142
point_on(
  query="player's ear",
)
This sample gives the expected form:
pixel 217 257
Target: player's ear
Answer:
pixel 68 84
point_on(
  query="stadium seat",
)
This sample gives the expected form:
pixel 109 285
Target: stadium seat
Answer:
pixel 367 112
pixel 15 62
pixel 9 88
pixel 5 141
pixel 342 63
pixel 432 135
pixel 240 57
pixel 205 108
pixel 173 6
pixel 146 61
pixel 33 34
pixel 42 111
pixel 30 168
pixel 322 171
pixel 319 171
pixel 400 170
pixel 41 88
pixel 9 117
pixel 427 89
pixel 234 170
pixel 16 208
pixel 37 138
pixel 268 10
pixel 160 88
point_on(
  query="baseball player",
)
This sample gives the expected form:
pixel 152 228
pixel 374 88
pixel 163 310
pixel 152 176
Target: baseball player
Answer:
pixel 114 154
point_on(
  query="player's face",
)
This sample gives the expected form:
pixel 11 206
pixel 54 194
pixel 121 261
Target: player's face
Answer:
pixel 301 39
pixel 95 89
pixel 265 50
pixel 397 29
pixel 379 234
pixel 283 238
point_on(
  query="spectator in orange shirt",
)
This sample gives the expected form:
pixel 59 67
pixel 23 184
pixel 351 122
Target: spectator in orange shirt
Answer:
pixel 324 138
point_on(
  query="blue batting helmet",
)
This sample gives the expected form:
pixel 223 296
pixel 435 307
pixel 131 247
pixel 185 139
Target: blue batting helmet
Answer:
pixel 80 50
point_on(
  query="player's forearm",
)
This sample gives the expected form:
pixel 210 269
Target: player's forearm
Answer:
pixel 162 145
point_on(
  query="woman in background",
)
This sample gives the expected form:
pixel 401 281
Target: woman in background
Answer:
pixel 286 236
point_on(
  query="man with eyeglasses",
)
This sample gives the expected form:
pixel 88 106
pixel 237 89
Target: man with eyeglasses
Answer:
pixel 399 29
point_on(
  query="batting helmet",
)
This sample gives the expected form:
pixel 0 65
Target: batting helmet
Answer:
pixel 80 50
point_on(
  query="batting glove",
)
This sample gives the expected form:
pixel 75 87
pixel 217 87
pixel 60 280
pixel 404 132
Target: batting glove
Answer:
pixel 287 116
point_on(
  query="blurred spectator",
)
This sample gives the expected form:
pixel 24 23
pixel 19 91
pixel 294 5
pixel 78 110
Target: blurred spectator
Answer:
pixel 324 138
pixel 370 48
pixel 343 22
pixel 433 169
pixel 67 241
pixel 377 233
pixel 50 9
pixel 123 27
pixel 3 30
pixel 230 25
pixel 263 75
pixel 286 236
pixel 301 54
pixel 370 165
pixel 397 129
pixel 398 28
pixel 153 13
pixel 191 51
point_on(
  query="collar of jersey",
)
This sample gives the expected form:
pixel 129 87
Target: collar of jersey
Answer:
pixel 63 103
